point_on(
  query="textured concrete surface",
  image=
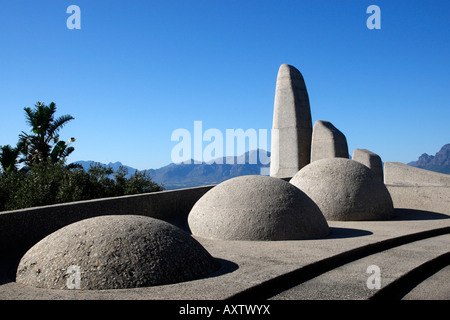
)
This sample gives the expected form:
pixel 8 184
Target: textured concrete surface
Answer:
pixel 292 124
pixel 28 226
pixel 327 142
pixel 334 267
pixel 416 188
pixel 396 173
pixel 249 265
pixel 369 159
pixel 433 288
pixel 114 252
pixel 256 208
pixel 345 189
pixel 421 198
pixel 351 279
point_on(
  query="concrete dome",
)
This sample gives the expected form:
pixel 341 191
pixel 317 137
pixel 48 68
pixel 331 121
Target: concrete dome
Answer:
pixel 345 190
pixel 256 208
pixel 114 252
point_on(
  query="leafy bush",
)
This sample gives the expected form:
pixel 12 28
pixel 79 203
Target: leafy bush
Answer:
pixel 45 179
pixel 50 183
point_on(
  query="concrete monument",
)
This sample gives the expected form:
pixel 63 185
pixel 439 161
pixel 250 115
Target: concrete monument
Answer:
pixel 292 127
pixel 327 142
pixel 256 208
pixel 114 252
pixel 345 190
pixel 370 160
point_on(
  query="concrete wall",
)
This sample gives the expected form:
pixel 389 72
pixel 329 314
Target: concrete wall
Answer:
pixel 414 188
pixel 397 173
pixel 434 199
pixel 409 187
pixel 21 229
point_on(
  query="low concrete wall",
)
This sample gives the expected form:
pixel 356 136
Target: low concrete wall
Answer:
pixel 21 229
pixel 414 188
pixel 434 199
pixel 396 173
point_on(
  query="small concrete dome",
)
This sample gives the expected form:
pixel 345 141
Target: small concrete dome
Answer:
pixel 256 208
pixel 114 252
pixel 345 190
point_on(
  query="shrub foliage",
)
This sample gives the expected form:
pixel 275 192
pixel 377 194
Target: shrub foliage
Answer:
pixel 50 183
pixel 45 179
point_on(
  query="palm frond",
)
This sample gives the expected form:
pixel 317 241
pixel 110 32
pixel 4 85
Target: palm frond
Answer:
pixel 57 125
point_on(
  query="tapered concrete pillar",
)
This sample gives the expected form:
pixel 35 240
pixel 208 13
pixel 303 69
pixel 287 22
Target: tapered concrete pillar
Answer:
pixel 327 142
pixel 292 127
pixel 369 159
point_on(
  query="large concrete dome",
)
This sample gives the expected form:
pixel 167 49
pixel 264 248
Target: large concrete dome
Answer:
pixel 345 190
pixel 114 252
pixel 256 208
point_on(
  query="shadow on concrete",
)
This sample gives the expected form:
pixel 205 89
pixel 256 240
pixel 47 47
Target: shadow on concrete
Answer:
pixel 397 289
pixel 413 214
pixel 226 266
pixel 274 286
pixel 340 233
pixel 8 268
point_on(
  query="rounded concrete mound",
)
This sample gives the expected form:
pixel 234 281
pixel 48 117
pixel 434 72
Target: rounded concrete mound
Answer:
pixel 345 189
pixel 114 252
pixel 256 208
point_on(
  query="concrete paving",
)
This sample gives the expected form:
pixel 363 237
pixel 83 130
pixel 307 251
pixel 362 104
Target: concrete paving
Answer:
pixel 255 269
pixel 350 280
pixel 436 287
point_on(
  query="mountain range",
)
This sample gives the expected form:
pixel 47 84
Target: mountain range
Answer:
pixel 440 162
pixel 190 174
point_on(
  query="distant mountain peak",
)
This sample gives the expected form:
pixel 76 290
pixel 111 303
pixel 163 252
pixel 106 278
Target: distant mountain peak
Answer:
pixel 440 162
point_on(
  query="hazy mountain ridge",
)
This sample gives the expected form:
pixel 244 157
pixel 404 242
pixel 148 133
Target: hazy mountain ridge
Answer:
pixel 190 174
pixel 184 175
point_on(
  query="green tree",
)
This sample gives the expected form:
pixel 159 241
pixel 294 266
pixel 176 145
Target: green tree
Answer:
pixel 141 182
pixel 8 158
pixel 42 142
pixel 49 183
pixel 46 179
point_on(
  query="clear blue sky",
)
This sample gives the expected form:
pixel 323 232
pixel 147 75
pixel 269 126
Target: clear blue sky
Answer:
pixel 138 70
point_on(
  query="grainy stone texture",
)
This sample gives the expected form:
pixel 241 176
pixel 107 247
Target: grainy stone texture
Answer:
pixel 115 252
pixel 28 226
pixel 370 160
pixel 416 188
pixel 345 189
pixel 256 208
pixel 327 142
pixel 292 126
pixel 397 173
pixel 427 198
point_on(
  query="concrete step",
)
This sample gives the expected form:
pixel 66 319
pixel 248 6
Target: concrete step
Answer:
pixel 436 287
pixel 349 281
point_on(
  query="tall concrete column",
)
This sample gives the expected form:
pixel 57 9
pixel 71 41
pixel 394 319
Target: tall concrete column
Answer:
pixel 292 126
